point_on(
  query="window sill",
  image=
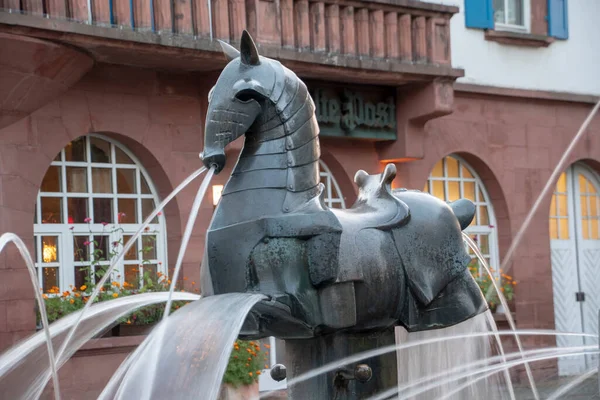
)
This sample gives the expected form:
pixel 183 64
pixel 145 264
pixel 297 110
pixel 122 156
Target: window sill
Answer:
pixel 518 38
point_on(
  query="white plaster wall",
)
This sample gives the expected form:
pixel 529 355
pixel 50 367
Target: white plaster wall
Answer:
pixel 571 65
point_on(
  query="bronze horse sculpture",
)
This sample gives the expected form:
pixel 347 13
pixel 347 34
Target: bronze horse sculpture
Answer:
pixel 393 258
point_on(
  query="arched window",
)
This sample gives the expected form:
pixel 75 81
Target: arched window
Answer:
pixel 333 194
pixel 93 198
pixel 451 179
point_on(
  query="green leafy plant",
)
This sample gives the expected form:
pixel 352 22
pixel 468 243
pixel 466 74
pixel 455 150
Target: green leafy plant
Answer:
pixel 505 282
pixel 245 363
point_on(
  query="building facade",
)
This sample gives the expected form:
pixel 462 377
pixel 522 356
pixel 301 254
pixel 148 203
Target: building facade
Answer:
pixel 102 111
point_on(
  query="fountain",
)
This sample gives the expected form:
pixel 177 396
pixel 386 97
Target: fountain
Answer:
pixel 336 281
pixel 341 287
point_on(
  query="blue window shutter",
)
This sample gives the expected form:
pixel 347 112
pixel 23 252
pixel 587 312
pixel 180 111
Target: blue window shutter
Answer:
pixel 558 19
pixel 479 14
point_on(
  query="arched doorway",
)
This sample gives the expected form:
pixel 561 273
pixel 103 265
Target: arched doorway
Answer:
pixel 575 246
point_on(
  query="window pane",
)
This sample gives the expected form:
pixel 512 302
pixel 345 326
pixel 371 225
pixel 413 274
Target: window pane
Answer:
pixel 58 157
pixel 438 189
pixel 594 229
pixel 149 247
pixel 452 167
pixel 466 173
pixel 51 210
pixel 122 158
pixel 484 244
pixel 563 229
pixel 51 181
pixel 101 180
pixel 514 13
pixel 49 249
pixel 147 208
pixel 132 275
pixel 453 191
pixel 75 151
pixel 144 185
pixel 562 205
pixel 77 179
pixel 126 181
pixel 469 190
pixel 438 170
pixel 150 271
pixel 553 228
pixel 583 203
pixel 102 245
pixel 561 185
pixel 50 278
pixel 593 206
pixel 483 216
pixel 78 210
pixel 585 228
pixel 127 211
pixel 81 275
pixel 553 206
pixel 103 211
pixel 132 254
pixel 582 184
pixel 81 249
pixel 499 12
pixel 100 150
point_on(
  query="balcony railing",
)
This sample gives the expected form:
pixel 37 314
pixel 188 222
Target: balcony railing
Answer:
pixel 407 31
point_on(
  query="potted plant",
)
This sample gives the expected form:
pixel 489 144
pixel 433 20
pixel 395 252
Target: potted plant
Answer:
pixel 505 282
pixel 246 362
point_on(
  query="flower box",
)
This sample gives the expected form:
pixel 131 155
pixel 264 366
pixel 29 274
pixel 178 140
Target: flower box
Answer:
pixel 242 392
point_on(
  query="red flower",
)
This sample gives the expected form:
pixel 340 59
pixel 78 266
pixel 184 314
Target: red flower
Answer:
pixel 87 220
pixel 104 223
pixel 159 213
pixel 86 243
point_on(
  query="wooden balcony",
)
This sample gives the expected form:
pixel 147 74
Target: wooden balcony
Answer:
pixel 389 42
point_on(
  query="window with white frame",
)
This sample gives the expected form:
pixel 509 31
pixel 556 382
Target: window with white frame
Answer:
pixel 451 179
pixel 94 197
pixel 510 14
pixel 333 194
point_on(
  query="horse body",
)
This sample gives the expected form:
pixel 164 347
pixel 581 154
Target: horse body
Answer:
pixel 369 267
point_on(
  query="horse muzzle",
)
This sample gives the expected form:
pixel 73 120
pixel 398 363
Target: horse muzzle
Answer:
pixel 214 160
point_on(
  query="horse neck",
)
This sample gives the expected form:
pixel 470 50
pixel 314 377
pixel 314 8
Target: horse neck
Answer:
pixel 278 170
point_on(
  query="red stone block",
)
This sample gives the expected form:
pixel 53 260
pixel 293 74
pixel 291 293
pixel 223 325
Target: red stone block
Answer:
pixel 287 23
pixel 163 12
pixel 391 35
pixel 122 13
pixel 405 34
pixel 19 192
pixel 348 32
pixel 12 5
pixel 237 18
pixel 101 13
pixel 106 111
pixel 35 7
pixel 3 322
pixel 79 10
pixel 376 33
pixel 317 26
pixel 16 285
pixel 220 19
pixel 141 15
pixel 438 41
pixel 183 17
pixel 56 8
pixel 361 23
pixel 269 25
pixel 419 38
pixel 201 18
pixel 332 22
pixel 302 28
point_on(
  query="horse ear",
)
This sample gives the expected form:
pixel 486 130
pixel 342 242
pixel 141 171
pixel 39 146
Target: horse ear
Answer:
pixel 229 51
pixel 248 50
pixel 464 210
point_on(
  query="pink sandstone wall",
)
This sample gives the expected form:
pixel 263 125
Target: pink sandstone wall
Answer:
pixel 512 143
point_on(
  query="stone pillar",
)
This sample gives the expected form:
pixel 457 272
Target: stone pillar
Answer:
pixel 307 354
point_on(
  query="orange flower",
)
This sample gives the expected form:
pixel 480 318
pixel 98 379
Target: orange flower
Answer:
pixel 257 372
pixel 267 346
pixel 250 373
pixel 45 296
pixel 185 278
pixel 72 301
pixel 77 295
pixel 266 366
pixel 82 288
pixel 128 322
pixel 193 283
pixel 249 358
pixel 115 295
pixel 247 365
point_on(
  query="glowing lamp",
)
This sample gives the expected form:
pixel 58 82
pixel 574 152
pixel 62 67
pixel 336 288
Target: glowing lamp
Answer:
pixel 217 190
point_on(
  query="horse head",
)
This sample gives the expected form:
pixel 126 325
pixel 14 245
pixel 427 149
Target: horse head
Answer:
pixel 240 95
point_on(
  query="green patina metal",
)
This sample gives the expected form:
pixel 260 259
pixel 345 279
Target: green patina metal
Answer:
pixel 344 112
